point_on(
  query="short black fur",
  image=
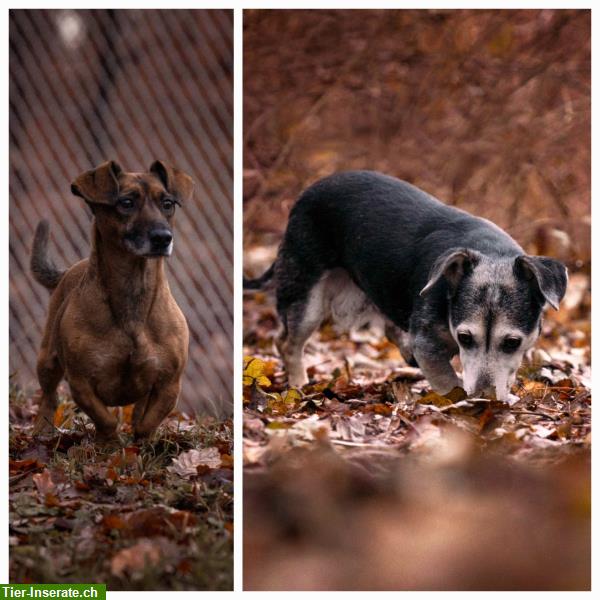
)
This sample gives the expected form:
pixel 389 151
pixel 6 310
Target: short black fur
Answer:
pixel 394 240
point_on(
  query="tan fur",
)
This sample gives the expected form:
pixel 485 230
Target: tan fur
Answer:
pixel 114 330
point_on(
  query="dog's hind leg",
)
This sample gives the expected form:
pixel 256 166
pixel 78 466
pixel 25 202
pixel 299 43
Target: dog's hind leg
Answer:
pixel 300 319
pixel 299 274
pixel 50 372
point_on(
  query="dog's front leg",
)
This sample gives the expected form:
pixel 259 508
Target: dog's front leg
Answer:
pixel 291 352
pixel 50 372
pixel 139 409
pixel 403 340
pixel 157 407
pixel 434 358
pixel 85 397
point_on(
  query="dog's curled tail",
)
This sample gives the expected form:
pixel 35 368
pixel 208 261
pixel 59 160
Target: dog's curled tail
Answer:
pixel 42 268
pixel 260 282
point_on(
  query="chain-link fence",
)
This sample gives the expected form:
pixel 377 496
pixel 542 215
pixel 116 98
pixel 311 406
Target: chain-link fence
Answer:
pixel 133 86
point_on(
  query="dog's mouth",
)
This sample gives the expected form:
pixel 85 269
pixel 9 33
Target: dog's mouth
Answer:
pixel 157 253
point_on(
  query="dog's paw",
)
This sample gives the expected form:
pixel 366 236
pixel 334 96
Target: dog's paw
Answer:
pixel 297 381
pixel 141 439
pixel 108 439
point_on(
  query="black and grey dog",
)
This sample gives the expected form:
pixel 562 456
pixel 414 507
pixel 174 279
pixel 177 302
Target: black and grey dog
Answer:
pixel 446 282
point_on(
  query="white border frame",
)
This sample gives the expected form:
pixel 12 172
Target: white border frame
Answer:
pixel 238 6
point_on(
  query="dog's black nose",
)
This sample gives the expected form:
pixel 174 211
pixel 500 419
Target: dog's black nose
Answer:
pixel 160 239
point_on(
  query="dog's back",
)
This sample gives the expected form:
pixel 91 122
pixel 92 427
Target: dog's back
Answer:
pixel 384 232
pixel 363 206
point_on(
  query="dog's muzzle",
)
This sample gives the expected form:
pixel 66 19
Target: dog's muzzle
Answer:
pixel 156 242
pixel 483 388
pixel 161 242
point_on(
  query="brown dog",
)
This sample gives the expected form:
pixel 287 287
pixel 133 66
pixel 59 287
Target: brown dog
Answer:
pixel 114 330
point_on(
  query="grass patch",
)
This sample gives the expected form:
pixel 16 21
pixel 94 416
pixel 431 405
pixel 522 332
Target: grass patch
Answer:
pixel 123 516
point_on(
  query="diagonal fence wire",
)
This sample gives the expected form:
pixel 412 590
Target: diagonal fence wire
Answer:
pixel 133 86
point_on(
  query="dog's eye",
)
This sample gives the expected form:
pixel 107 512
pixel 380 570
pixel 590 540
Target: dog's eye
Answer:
pixel 465 339
pixel 510 344
pixel 168 204
pixel 125 203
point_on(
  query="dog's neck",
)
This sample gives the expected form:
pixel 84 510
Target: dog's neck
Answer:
pixel 130 282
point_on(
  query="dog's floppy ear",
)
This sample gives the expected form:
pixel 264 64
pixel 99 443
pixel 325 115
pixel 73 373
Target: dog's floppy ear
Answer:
pixel 453 266
pixel 176 182
pixel 99 185
pixel 547 274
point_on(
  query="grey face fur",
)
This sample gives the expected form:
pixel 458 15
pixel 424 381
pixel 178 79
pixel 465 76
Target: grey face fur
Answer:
pixel 495 317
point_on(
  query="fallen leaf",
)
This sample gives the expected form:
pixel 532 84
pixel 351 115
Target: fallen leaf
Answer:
pixel 281 404
pixel 254 372
pixel 43 482
pixel 435 399
pixel 159 521
pixel 135 559
pixel 17 467
pixel 59 415
pixel 187 463
pixel 113 521
pixel 227 461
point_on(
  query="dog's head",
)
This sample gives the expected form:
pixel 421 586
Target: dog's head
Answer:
pixel 495 311
pixel 135 210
